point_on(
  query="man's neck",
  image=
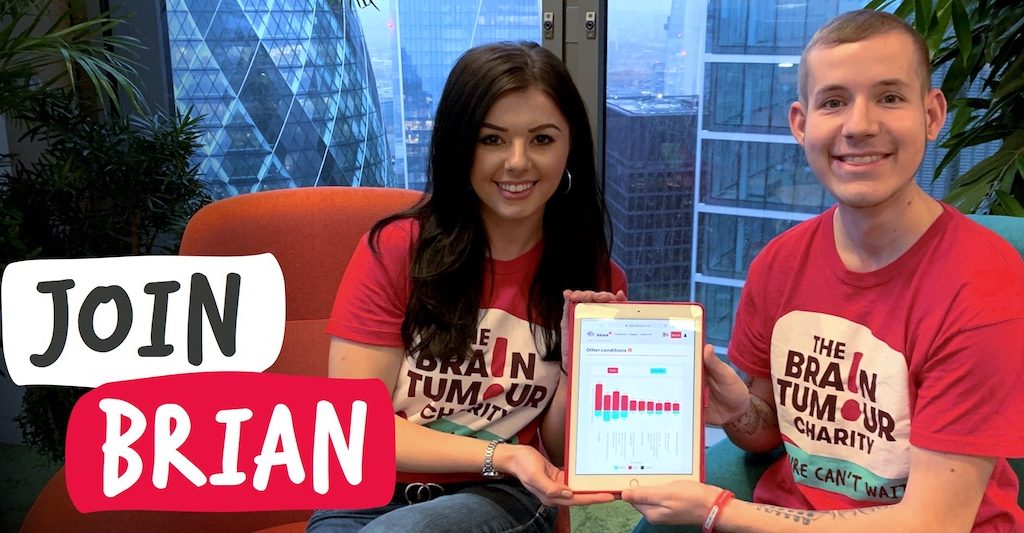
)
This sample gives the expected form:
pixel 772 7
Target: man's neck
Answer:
pixel 868 239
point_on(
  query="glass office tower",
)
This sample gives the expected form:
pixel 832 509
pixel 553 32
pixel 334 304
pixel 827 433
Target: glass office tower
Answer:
pixel 754 181
pixel 431 37
pixel 286 91
pixel 649 191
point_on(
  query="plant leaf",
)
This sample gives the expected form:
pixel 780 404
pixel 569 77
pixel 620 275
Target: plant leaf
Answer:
pixel 987 171
pixel 58 47
pixel 966 199
pixel 1013 30
pixel 905 9
pixel 1012 78
pixel 922 15
pixel 962 116
pixel 1009 205
pixel 878 4
pixel 955 78
pixel 962 27
pixel 981 132
pixel 973 103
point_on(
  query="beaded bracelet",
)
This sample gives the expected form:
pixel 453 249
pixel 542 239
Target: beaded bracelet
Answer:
pixel 716 509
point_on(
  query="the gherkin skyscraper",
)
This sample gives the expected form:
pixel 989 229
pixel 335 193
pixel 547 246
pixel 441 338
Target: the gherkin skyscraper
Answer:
pixel 286 89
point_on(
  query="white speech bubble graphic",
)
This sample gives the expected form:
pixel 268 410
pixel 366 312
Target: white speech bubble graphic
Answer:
pixel 236 307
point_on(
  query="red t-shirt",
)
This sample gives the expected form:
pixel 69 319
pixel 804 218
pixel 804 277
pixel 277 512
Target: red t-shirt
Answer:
pixel 499 392
pixel 928 350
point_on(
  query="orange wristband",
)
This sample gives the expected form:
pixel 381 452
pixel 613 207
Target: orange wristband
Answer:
pixel 716 509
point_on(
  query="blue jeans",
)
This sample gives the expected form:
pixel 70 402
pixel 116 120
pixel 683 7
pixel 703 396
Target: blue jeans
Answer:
pixel 485 507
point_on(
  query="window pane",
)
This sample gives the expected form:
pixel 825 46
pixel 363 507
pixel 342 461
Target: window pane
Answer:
pixel 768 27
pixel 728 243
pixel 432 37
pixel 719 302
pixel 750 98
pixel 759 175
pixel 651 143
pixel 314 92
pixel 722 73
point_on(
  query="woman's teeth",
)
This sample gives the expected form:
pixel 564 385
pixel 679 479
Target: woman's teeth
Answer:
pixel 515 187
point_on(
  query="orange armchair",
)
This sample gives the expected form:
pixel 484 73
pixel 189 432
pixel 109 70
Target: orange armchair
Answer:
pixel 312 233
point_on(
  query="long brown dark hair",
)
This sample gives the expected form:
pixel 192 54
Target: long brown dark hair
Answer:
pixel 448 259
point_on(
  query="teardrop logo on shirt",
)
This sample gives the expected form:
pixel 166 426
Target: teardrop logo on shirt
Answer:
pixel 498 356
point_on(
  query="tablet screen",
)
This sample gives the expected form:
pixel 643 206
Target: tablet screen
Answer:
pixel 636 379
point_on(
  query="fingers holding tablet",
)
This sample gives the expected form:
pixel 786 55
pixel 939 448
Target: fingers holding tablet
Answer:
pixel 543 479
pixel 678 502
pixel 574 297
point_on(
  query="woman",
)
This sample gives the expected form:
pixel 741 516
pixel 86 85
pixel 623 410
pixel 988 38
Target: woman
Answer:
pixel 455 304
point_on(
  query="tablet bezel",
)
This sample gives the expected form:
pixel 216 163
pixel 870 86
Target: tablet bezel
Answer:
pixel 615 483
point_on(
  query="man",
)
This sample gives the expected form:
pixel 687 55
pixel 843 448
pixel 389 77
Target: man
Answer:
pixel 884 339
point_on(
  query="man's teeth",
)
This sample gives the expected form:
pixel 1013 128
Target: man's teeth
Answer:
pixel 862 159
pixel 515 187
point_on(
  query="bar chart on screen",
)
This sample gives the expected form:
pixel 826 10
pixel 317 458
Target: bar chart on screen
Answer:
pixel 618 405
pixel 638 418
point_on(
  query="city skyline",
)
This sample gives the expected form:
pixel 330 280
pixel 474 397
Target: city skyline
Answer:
pixel 730 178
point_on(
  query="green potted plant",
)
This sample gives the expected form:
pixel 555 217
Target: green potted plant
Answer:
pixel 107 183
pixel 46 46
pixel 982 42
pixel 101 188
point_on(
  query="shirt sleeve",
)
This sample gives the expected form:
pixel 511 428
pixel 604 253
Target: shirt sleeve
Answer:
pixel 371 301
pixel 969 391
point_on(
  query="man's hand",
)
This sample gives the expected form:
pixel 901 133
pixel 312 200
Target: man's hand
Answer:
pixel 679 502
pixel 729 396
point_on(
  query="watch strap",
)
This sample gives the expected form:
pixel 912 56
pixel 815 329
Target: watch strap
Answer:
pixel 488 470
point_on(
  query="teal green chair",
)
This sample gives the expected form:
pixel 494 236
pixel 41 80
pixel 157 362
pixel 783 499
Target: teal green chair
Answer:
pixel 1011 229
pixel 737 470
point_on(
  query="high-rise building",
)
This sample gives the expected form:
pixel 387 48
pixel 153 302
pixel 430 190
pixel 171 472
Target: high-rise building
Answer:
pixel 753 179
pixel 286 91
pixel 431 37
pixel 649 191
pixel 683 32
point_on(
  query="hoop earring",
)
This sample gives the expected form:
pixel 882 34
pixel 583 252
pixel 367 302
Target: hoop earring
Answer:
pixel 569 186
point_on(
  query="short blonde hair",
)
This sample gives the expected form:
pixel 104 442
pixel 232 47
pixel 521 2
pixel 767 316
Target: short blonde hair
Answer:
pixel 860 25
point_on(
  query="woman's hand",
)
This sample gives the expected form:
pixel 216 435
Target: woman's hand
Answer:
pixel 543 479
pixel 573 297
pixel 729 396
pixel 679 502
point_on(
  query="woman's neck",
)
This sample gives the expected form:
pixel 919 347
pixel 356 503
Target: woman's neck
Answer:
pixel 509 239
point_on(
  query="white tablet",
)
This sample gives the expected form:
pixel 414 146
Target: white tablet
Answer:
pixel 634 415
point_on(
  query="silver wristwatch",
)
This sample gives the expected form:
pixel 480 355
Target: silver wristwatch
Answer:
pixel 488 470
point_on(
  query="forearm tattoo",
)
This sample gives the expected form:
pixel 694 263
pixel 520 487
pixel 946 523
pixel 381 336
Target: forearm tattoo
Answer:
pixel 760 416
pixel 804 518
